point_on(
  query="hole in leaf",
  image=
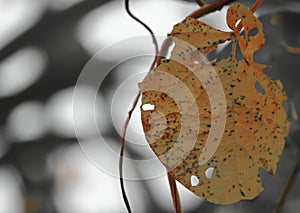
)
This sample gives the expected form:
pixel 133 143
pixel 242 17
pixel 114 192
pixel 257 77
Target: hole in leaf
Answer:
pixel 196 62
pixel 259 88
pixel 194 180
pixel 238 54
pixel 222 46
pixel 223 51
pixel 147 107
pixel 209 172
pixel 170 48
pixel 253 32
pixel 237 23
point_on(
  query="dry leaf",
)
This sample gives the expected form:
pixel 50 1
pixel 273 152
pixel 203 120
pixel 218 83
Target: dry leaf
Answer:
pixel 217 122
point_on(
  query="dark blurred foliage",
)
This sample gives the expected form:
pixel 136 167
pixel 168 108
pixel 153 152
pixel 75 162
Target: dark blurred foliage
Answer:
pixel 43 169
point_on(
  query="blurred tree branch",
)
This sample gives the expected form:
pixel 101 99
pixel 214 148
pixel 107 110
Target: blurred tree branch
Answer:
pixel 54 34
pixel 287 186
pixel 69 18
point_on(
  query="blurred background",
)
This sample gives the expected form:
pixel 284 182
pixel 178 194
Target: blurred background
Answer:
pixel 45 45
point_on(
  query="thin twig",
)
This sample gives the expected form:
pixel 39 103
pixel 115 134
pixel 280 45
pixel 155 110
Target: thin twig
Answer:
pixel 174 193
pixel 208 8
pixel 256 4
pixel 125 198
pixel 200 2
pixel 143 24
pixel 287 186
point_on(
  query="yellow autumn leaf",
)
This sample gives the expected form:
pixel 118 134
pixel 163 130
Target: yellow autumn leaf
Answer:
pixel 210 121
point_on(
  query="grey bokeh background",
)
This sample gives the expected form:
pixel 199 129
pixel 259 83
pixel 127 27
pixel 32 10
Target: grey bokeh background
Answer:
pixel 45 44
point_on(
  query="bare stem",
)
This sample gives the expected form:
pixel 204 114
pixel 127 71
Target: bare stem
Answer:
pixel 287 186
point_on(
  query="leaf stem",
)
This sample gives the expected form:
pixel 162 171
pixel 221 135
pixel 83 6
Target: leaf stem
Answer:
pixel 287 186
pixel 174 193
